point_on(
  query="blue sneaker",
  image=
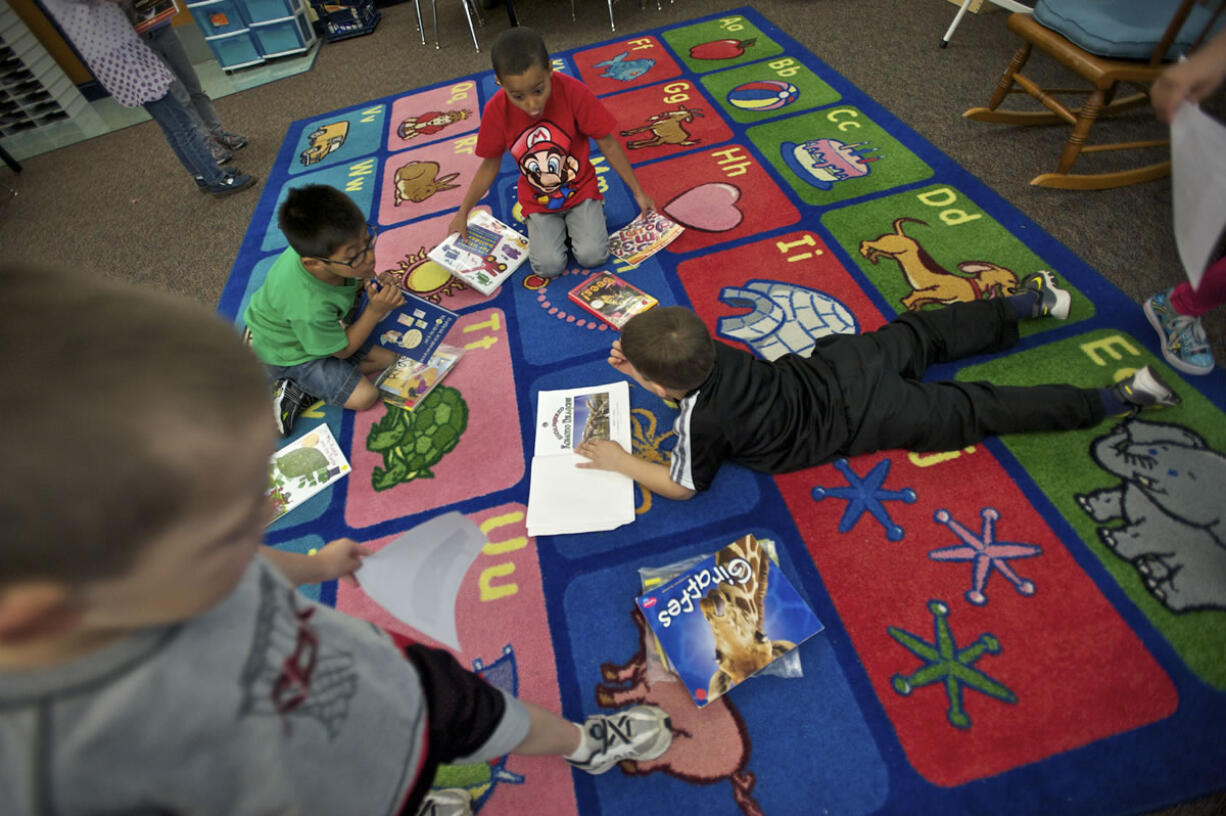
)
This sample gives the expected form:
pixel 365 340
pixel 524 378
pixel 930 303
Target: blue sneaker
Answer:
pixel 1184 344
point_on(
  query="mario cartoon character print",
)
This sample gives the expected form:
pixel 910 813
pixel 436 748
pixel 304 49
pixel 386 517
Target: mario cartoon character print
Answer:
pixel 542 153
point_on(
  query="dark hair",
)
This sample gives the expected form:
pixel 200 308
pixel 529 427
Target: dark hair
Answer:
pixel 317 219
pixel 518 49
pixel 98 376
pixel 669 345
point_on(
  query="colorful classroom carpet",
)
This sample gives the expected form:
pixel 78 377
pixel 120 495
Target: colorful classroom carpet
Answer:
pixel 1031 625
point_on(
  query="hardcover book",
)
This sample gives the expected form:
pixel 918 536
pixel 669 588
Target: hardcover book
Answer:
pixel 415 329
pixel 726 618
pixel 611 298
pixel 487 254
pixel 406 382
pixel 303 468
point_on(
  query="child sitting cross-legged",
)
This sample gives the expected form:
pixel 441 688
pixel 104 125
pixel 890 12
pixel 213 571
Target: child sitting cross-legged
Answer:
pixel 298 316
pixel 853 394
pixel 154 656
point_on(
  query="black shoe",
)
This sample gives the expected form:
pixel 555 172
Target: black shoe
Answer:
pixel 1145 389
pixel 1052 300
pixel 232 182
pixel 289 401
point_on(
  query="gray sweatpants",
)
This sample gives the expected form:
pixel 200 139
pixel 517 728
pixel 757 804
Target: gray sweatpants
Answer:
pixel 589 237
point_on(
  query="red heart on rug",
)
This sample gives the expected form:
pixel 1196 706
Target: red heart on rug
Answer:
pixel 708 207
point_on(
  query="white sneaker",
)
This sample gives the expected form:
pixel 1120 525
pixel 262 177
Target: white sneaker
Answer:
pixel 641 732
pixel 1145 389
pixel 447 802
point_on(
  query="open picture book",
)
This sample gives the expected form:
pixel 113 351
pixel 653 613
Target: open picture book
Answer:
pixel 564 498
pixel 485 256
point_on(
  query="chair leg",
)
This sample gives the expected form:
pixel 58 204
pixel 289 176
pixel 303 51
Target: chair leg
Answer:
pixel 434 10
pixel 420 25
pixel 957 19
pixel 1006 81
pixel 471 29
pixel 572 11
pixel 612 25
pixel 1086 117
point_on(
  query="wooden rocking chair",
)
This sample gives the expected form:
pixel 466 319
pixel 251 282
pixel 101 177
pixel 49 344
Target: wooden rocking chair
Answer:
pixel 1105 75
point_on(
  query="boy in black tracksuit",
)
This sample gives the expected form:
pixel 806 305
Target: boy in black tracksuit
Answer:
pixel 854 394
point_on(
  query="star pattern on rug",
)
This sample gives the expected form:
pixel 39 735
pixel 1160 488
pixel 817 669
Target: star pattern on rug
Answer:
pixel 944 662
pixel 985 553
pixel 865 494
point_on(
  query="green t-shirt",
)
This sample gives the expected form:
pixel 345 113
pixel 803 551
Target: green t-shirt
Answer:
pixel 295 317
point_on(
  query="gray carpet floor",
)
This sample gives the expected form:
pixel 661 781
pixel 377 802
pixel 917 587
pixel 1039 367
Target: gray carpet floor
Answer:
pixel 120 205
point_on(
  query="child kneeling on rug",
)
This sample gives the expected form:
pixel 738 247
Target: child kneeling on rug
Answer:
pixel 853 394
pixel 154 657
pixel 299 317
pixel 545 120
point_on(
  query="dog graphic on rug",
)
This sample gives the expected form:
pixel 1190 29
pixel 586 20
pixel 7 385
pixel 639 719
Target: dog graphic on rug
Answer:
pixel 709 744
pixel 929 281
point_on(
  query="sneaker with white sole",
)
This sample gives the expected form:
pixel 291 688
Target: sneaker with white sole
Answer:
pixel 447 802
pixel 639 733
pixel 231 182
pixel 288 401
pixel 232 141
pixel 1052 300
pixel 1145 389
pixel 1184 344
pixel 221 153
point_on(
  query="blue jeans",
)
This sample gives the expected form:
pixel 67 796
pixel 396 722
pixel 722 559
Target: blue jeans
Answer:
pixel 330 379
pixel 184 139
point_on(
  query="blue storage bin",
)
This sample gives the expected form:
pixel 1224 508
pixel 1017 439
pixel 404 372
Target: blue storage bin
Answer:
pixel 279 38
pixel 218 17
pixel 263 11
pixel 235 50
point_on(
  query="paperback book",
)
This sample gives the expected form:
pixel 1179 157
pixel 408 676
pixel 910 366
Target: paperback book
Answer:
pixel 643 237
pixel 487 254
pixel 564 498
pixel 611 298
pixel 415 329
pixel 303 468
pixel 150 14
pixel 726 618
pixel 406 382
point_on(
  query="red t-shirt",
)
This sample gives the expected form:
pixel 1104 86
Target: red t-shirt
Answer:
pixel 551 150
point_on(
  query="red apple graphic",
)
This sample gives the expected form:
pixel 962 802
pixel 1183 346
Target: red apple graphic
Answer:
pixel 720 49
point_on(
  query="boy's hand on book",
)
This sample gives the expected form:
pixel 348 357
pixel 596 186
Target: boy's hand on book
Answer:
pixel 340 559
pixel 383 299
pixel 604 454
pixel 644 201
pixel 459 224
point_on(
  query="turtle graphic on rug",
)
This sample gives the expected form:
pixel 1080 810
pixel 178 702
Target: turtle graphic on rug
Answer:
pixel 412 442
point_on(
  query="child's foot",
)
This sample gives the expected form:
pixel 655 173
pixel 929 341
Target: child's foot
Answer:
pixel 1184 344
pixel 289 401
pixel 1145 389
pixel 221 153
pixel 232 141
pixel 1052 300
pixel 231 182
pixel 447 802
pixel 641 732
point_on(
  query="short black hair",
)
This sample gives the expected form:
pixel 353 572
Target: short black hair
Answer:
pixel 318 219
pixel 518 49
pixel 669 345
pixel 94 485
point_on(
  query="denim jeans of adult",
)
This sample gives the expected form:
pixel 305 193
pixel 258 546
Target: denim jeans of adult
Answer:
pixel 180 130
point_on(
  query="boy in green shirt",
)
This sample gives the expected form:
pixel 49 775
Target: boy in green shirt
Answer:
pixel 298 316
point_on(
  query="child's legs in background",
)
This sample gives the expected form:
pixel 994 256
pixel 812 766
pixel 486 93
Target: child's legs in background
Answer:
pixel 1208 296
pixel 547 244
pixel 589 234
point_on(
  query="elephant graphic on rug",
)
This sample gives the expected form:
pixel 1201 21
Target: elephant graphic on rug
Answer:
pixel 1170 500
pixel 784 318
pixel 709 744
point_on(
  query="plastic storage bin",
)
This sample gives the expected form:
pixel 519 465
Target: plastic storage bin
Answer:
pixel 236 50
pixel 266 11
pixel 283 37
pixel 218 17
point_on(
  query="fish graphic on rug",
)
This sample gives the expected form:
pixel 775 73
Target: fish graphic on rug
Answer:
pixel 625 70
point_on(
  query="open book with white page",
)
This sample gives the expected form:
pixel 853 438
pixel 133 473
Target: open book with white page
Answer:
pixel 563 498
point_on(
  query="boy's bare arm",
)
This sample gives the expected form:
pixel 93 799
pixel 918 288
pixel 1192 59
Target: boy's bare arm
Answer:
pixel 607 455
pixel 616 156
pixel 339 559
pixel 482 179
pixel 383 300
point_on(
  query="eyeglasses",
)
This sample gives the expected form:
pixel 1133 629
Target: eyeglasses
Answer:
pixel 373 232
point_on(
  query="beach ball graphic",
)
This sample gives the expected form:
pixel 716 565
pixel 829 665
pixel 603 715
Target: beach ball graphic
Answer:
pixel 763 95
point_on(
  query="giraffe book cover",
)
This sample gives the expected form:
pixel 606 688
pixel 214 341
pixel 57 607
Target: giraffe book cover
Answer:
pixel 726 618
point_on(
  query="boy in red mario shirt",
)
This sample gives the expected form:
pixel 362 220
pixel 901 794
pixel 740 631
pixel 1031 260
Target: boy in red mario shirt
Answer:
pixel 545 120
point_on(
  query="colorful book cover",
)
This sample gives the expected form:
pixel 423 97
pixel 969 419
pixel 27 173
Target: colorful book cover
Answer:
pixel 643 237
pixel 611 298
pixel 151 14
pixel 487 254
pixel 415 329
pixel 303 468
pixel 406 382
pixel 726 618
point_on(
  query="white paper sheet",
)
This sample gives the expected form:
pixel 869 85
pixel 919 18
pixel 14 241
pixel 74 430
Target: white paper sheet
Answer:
pixel 1198 177
pixel 417 576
